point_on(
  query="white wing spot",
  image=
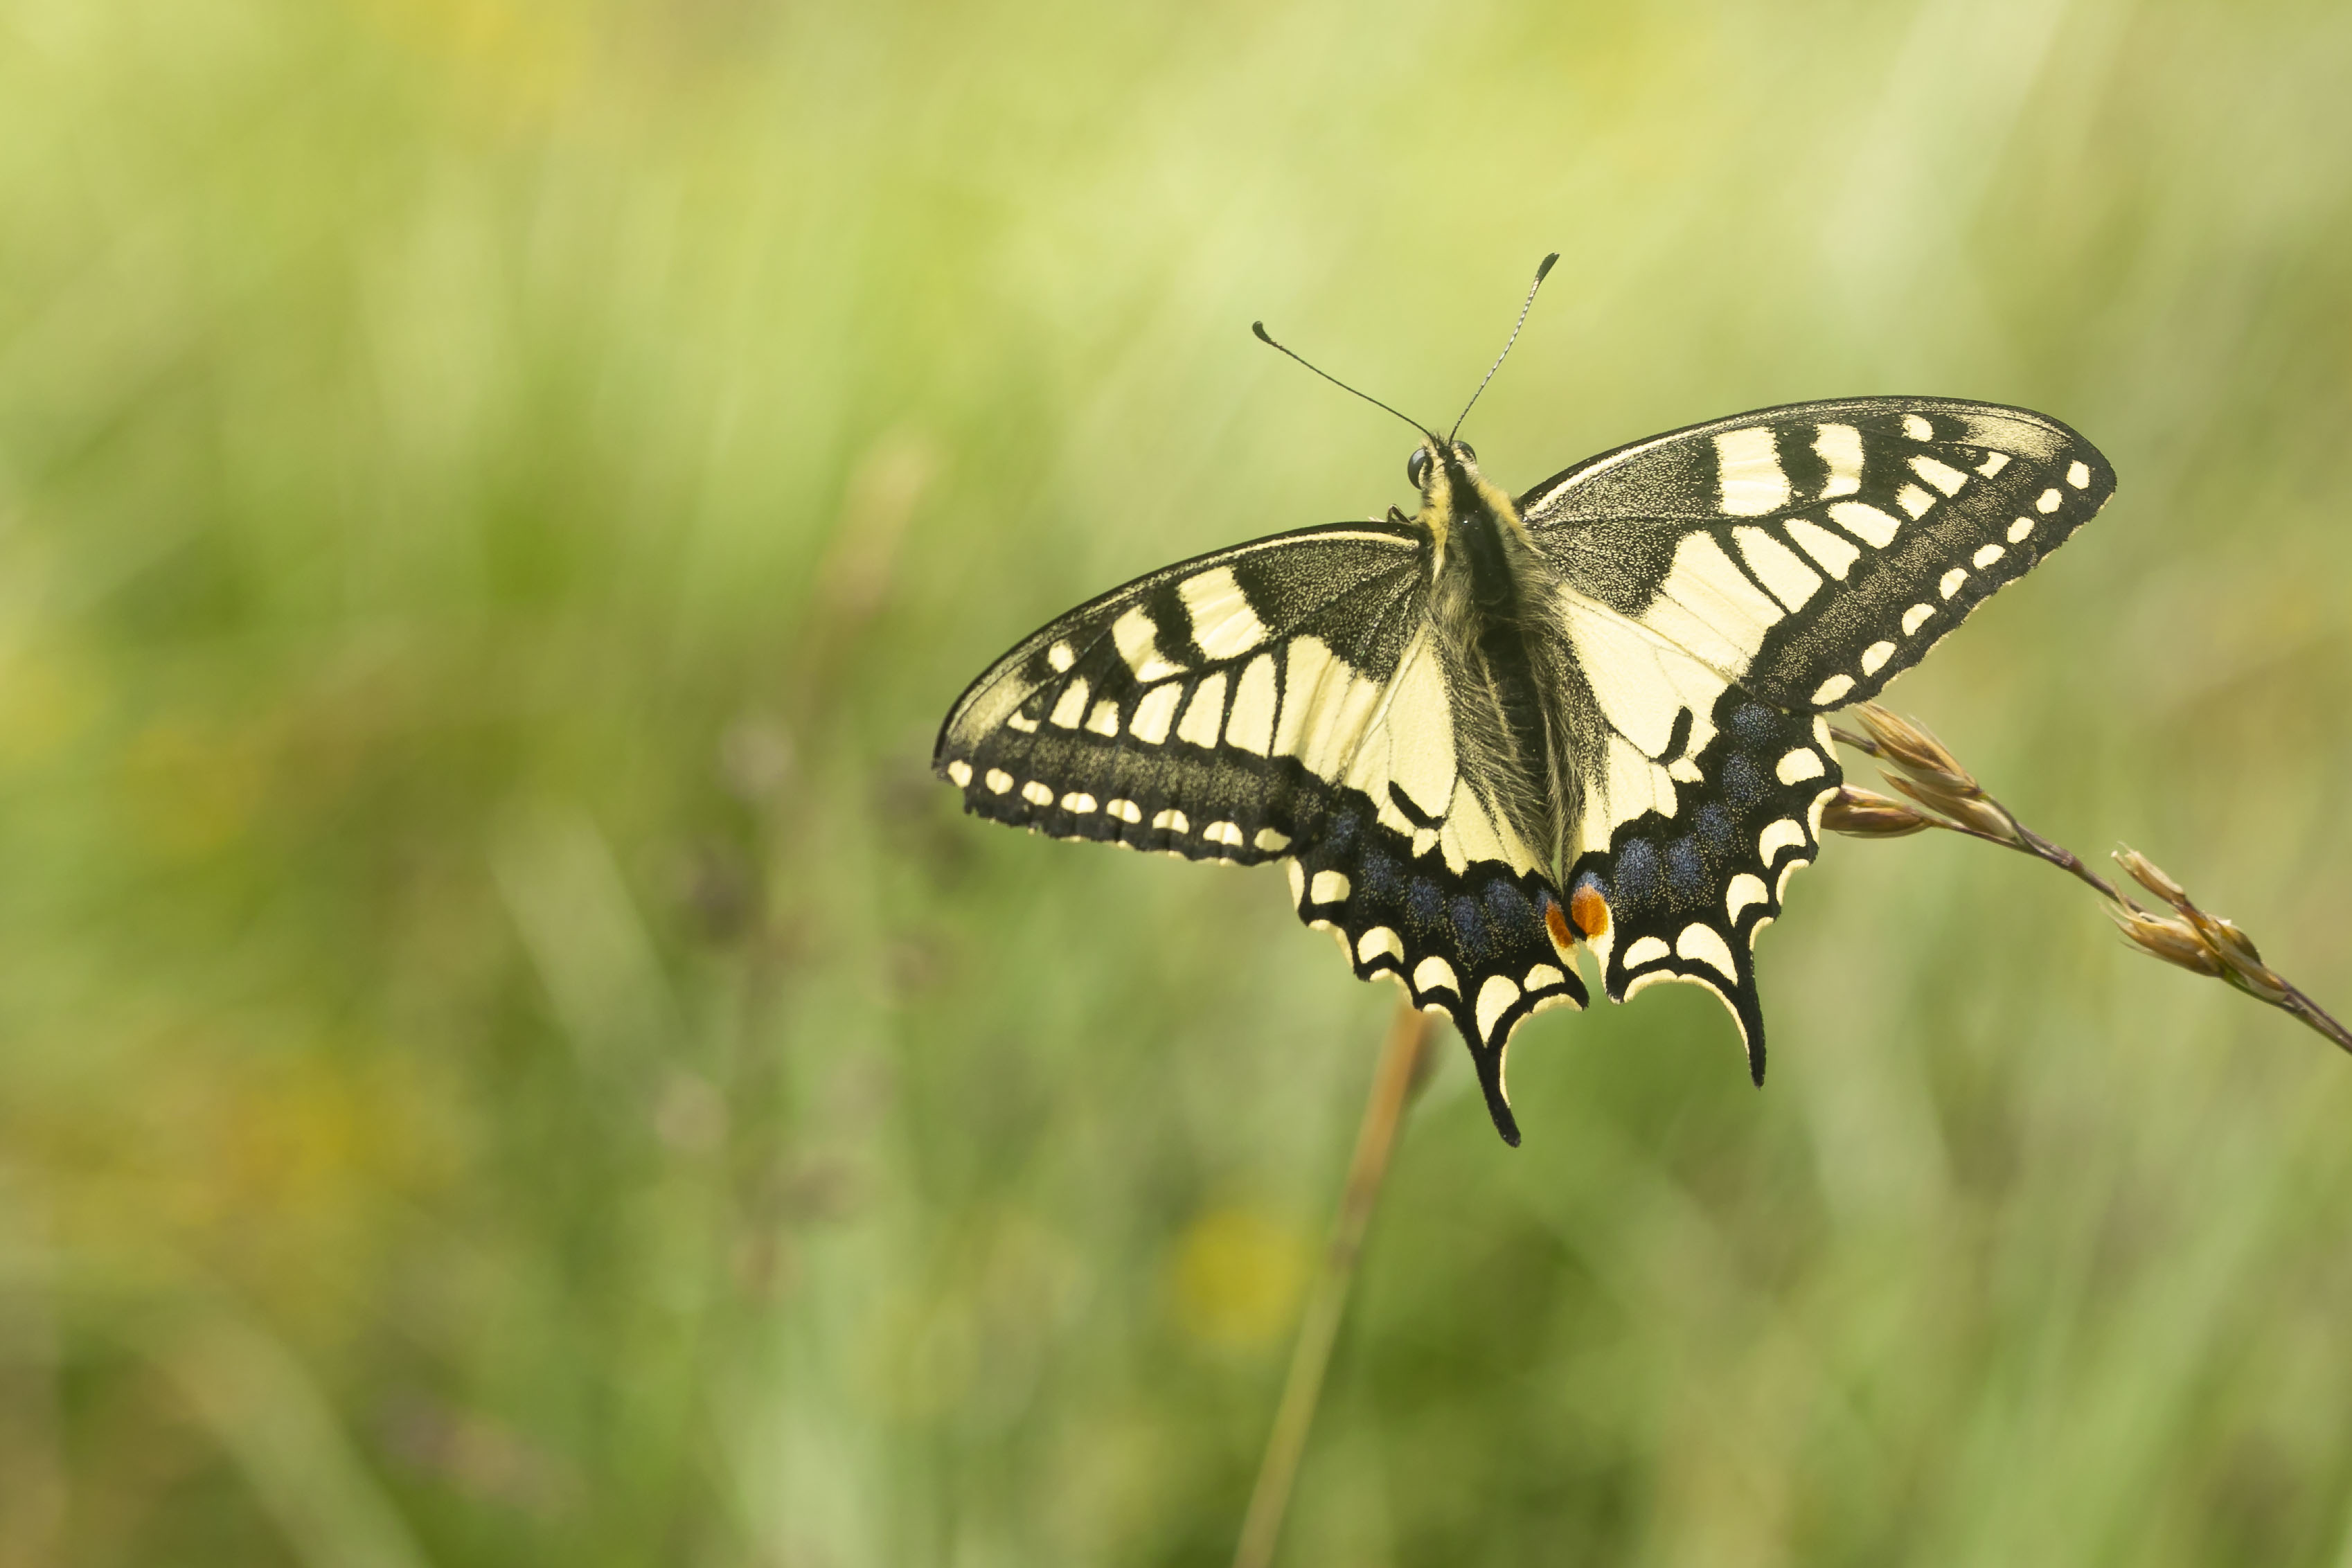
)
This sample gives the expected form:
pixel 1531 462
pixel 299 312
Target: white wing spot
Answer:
pixel 1745 889
pixel 1648 950
pixel 1023 723
pixel 1060 657
pixel 1790 579
pixel 998 781
pixel 1072 705
pixel 1223 622
pixel 1250 728
pixel 1152 715
pixel 1543 977
pixel 1915 617
pixel 1839 445
pixel 1433 973
pixel 1273 840
pixel 1205 714
pixel 1125 810
pixel 1078 805
pixel 1836 555
pixel 1946 479
pixel 959 773
pixel 1874 656
pixel 1799 765
pixel 1298 876
pixel 1705 944
pixel 2020 528
pixel 1835 687
pixel 1913 500
pixel 1494 999
pixel 1329 887
pixel 1866 522
pixel 1378 941
pixel 1749 481
pixel 1137 641
pixel 1786 834
pixel 1222 833
pixel 1918 429
pixel 2078 474
pixel 1987 555
pixel 1686 770
pixel 1993 464
pixel 1952 582
pixel 1172 820
pixel 2048 501
pixel 1104 720
pixel 1036 793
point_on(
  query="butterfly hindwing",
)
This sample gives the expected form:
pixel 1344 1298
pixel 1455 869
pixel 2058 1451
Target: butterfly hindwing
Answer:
pixel 1814 551
pixel 1452 905
pixel 1282 701
pixel 1690 880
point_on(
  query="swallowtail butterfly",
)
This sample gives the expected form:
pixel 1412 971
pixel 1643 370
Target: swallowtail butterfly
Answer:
pixel 1588 715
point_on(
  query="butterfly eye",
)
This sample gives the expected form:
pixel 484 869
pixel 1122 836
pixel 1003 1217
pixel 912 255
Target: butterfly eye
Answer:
pixel 1416 467
pixel 1467 455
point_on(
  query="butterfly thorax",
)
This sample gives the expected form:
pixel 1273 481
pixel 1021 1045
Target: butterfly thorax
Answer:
pixel 1490 602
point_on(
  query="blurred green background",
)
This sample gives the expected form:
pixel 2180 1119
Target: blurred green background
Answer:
pixel 506 1057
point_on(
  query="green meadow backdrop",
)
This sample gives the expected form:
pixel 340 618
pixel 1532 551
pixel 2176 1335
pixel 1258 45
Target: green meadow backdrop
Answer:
pixel 506 1056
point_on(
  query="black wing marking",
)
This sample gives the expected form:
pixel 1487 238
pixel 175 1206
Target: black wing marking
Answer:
pixel 1814 551
pixel 1281 701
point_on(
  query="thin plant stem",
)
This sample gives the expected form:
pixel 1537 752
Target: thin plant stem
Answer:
pixel 1393 1085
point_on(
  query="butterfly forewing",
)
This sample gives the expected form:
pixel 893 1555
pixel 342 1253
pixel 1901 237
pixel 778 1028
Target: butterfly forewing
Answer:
pixel 1816 551
pixel 1281 701
pixel 1150 716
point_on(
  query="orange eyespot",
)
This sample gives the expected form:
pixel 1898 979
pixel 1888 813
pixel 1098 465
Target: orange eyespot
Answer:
pixel 1590 910
pixel 1556 923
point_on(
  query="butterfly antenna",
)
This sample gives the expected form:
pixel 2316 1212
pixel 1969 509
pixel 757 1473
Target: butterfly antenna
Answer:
pixel 1267 339
pixel 1542 268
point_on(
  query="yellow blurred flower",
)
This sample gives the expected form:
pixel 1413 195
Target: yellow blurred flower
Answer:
pixel 1237 1276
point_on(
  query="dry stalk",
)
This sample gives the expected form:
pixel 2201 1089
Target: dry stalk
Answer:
pixel 1942 793
pixel 1400 1073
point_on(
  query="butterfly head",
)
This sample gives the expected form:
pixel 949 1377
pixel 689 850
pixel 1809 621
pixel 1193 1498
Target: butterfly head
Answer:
pixel 1452 488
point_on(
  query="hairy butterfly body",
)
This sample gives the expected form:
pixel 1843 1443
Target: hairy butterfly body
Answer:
pixel 1589 715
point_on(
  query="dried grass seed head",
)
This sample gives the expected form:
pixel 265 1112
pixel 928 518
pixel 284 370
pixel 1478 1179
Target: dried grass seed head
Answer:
pixel 2175 941
pixel 1867 813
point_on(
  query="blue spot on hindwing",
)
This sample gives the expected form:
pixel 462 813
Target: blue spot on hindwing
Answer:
pixel 1742 784
pixel 1508 908
pixel 1470 930
pixel 1685 874
pixel 1638 873
pixel 1756 725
